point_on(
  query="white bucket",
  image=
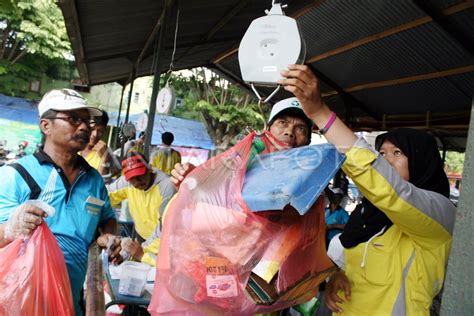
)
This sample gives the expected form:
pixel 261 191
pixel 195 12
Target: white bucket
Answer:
pixel 133 278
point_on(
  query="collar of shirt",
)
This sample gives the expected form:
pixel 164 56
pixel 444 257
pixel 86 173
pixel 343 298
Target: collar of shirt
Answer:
pixel 43 158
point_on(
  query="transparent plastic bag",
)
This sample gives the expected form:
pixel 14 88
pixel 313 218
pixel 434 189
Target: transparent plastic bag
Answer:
pixel 33 277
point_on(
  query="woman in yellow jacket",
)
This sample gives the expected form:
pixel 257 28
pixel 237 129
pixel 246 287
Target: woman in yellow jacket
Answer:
pixel 395 248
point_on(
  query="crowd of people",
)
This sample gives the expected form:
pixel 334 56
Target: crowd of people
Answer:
pixel 391 251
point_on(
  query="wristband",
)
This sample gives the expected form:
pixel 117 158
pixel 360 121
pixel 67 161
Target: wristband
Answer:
pixel 326 127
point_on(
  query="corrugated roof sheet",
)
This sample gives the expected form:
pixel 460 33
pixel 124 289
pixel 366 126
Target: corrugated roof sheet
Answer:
pixel 336 23
pixel 439 95
pixel 401 55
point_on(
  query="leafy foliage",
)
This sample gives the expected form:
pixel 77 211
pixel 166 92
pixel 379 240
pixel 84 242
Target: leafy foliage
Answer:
pixel 454 162
pixel 33 27
pixel 227 111
pixel 33 42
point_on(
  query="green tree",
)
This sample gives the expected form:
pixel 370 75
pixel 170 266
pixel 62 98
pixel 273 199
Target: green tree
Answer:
pixel 227 111
pixel 454 162
pixel 31 27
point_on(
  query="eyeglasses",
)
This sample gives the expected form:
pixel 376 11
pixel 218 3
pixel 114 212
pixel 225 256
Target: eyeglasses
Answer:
pixel 73 120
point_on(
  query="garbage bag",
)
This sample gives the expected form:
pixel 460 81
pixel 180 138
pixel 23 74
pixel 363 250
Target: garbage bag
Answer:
pixel 33 277
pixel 211 242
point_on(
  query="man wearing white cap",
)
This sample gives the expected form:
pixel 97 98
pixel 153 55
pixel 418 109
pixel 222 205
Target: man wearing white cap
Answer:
pixel 287 123
pixel 60 177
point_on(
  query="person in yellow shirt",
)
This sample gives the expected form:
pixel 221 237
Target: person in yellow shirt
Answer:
pixel 165 157
pixel 147 251
pixel 135 145
pixel 148 192
pixel 96 152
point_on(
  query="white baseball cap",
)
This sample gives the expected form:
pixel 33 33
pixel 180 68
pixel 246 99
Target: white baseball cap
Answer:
pixel 65 100
pixel 289 106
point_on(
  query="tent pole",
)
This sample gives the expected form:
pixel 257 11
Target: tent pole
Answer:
pixel 132 80
pixel 130 95
pixel 116 139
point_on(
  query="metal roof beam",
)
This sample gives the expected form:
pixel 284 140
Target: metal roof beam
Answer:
pixel 152 36
pixel 125 55
pixel 148 42
pixel 399 81
pixel 76 37
pixel 347 98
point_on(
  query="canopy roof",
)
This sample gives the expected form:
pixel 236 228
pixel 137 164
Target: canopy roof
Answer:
pixel 383 63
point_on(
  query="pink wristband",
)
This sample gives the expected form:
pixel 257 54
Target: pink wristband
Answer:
pixel 326 127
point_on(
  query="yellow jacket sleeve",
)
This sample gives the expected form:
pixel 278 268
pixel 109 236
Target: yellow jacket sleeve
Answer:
pixel 150 252
pixel 426 216
pixel 118 191
pixel 151 246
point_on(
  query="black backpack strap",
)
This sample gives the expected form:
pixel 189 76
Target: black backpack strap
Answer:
pixel 34 187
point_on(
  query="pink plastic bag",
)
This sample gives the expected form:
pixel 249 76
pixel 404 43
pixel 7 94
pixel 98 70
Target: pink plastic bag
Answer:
pixel 211 242
pixel 33 277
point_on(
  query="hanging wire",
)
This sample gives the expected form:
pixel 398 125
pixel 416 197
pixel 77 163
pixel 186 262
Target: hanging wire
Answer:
pixel 170 70
pixel 161 120
pixel 174 46
pixel 259 105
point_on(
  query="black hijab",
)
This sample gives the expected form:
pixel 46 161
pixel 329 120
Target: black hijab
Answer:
pixel 425 170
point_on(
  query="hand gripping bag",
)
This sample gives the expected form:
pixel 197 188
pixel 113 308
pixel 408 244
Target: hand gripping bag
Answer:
pixel 33 277
pixel 211 242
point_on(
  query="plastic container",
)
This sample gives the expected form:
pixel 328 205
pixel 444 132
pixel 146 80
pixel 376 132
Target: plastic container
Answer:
pixel 133 278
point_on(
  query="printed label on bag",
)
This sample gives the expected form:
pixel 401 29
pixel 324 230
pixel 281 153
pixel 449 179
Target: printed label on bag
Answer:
pixel 216 266
pixel 221 286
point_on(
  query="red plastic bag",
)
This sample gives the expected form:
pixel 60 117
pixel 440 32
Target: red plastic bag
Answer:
pixel 33 277
pixel 211 242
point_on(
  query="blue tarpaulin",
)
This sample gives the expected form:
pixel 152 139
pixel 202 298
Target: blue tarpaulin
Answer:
pixel 18 123
pixel 187 133
pixel 18 109
pixel 293 177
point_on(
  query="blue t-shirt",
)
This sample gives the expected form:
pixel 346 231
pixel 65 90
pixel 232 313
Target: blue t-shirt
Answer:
pixel 338 216
pixel 81 207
